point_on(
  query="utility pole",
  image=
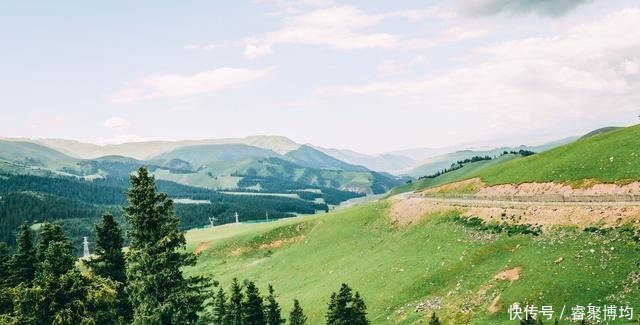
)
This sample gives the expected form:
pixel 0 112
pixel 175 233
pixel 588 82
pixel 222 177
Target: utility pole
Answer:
pixel 85 243
pixel 213 220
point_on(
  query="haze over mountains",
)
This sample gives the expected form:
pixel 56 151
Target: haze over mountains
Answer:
pixel 413 162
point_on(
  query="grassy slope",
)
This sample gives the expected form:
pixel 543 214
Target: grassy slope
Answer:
pixel 396 268
pixel 468 171
pixel 608 157
pixel 612 156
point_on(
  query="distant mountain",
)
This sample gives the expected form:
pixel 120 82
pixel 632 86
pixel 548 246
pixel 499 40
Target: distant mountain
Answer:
pixel 601 130
pixel 215 166
pixel 200 155
pixel 389 163
pixel 239 166
pixel 310 157
pixel 147 149
pixel 420 154
pixel 438 163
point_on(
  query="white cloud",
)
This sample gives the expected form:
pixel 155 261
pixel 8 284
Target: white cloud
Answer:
pixel 288 7
pixel 550 8
pixel 586 71
pixel 181 86
pixel 398 67
pixel 346 28
pixel 630 67
pixel 252 51
pixel 117 123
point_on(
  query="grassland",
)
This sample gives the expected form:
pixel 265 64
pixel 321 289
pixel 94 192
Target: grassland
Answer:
pixel 607 157
pixel 437 262
pixel 470 170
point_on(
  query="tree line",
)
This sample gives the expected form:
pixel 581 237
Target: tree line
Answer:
pixel 42 282
pixel 461 163
pixel 78 204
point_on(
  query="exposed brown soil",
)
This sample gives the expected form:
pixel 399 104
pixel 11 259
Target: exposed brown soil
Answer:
pixel 590 188
pixel 201 247
pixel 494 307
pixel 532 189
pixel 510 275
pixel 410 210
pixel 280 242
pixel 473 184
pixel 557 215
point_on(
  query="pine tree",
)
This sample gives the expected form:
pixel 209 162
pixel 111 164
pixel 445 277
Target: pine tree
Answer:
pixel 434 319
pixel 345 308
pixel 48 233
pixel 252 305
pixel 272 309
pixel 156 286
pixel 62 295
pixel 23 263
pixel 297 316
pixel 219 311
pixel 108 261
pixel 358 311
pixel 339 310
pixel 5 260
pixel 528 321
pixel 234 311
pixel 332 312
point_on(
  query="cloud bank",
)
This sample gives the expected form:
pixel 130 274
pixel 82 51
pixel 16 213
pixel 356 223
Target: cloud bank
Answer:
pixel 585 72
pixel 181 86
pixel 550 8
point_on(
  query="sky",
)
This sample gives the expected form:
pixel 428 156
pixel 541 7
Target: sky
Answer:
pixel 371 76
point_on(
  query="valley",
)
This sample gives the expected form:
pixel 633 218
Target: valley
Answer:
pixel 465 242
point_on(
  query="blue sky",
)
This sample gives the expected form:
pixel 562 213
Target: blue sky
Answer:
pixel 371 76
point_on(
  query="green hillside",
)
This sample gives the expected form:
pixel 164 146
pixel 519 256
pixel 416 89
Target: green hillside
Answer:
pixel 438 262
pixel 32 155
pixel 437 163
pixel 612 156
pixel 311 157
pixel 205 154
pixel 469 170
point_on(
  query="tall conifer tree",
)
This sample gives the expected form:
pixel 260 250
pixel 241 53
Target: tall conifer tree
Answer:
pixel 157 288
pixel 272 309
pixel 252 305
pixel 108 261
pixel 234 313
pixel 297 316
pixel 23 262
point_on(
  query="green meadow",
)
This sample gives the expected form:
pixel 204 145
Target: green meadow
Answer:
pixel 406 272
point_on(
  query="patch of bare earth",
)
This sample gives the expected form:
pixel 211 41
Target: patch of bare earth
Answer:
pixel 472 185
pixel 281 242
pixel 533 189
pixel 201 247
pixel 410 210
pixel 546 216
pixel 494 307
pixel 493 204
pixel 510 275
pixel 238 251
